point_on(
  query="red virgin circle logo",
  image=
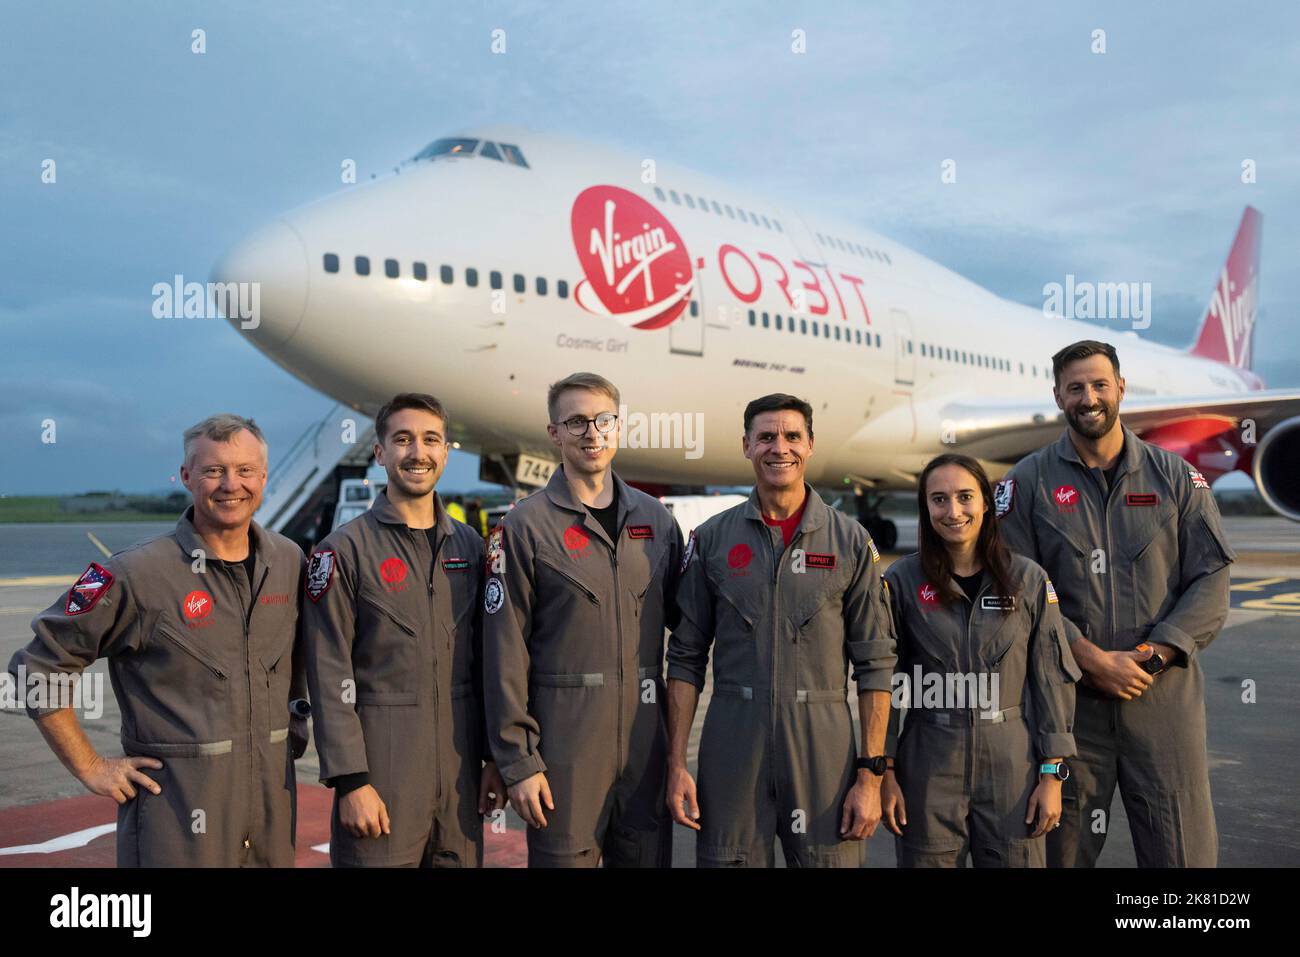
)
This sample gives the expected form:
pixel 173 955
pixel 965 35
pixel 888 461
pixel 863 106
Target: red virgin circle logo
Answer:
pixel 637 267
pixel 575 539
pixel 739 556
pixel 393 570
pixel 197 606
pixel 1066 498
pixel 928 594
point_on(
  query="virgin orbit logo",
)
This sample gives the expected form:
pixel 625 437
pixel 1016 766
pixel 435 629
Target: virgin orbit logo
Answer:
pixel 637 267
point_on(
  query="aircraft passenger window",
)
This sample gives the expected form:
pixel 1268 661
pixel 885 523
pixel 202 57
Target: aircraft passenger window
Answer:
pixel 513 155
pixel 659 193
pixel 826 331
pixel 764 320
pixel 471 277
pixel 704 203
pixel 562 288
pixel 716 208
pixel 541 286
pixel 690 203
pixel 390 268
pixel 778 322
pixel 778 226
pixel 676 199
pixel 888 261
pixel 695 306
pixel 445 274
pixel 520 283
pixel 837 333
pixel 909 347
pixel 815 332
pixel 820 241
pixel 420 271
pixel 494 279
pixel 331 262
pixel 447 146
pixel 877 340
pixel 857 336
pixel 803 327
pixel 752 318
pixel 730 214
pixel 740 214
pixel 765 222
pixel 490 151
pixel 363 265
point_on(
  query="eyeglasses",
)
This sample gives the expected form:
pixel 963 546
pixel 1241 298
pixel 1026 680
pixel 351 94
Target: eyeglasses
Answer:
pixel 577 424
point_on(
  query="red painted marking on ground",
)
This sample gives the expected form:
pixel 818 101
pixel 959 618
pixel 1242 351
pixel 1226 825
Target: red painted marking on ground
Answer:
pixel 37 823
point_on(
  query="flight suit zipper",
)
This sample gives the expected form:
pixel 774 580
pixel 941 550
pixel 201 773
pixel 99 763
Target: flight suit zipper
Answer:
pixel 215 669
pixel 778 563
pixel 618 618
pixel 421 545
pixel 245 612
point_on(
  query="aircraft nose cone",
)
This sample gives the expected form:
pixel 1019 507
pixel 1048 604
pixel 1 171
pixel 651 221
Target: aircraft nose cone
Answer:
pixel 263 284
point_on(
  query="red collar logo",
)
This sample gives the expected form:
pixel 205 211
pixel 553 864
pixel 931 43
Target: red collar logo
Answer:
pixel 576 539
pixel 196 606
pixel 637 267
pixel 928 594
pixel 393 570
pixel 1066 498
pixel 739 556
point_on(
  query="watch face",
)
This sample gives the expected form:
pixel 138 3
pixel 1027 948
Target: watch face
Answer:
pixel 1062 770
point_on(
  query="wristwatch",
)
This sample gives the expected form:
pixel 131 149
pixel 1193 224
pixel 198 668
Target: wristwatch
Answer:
pixel 1060 770
pixel 877 765
pixel 1153 665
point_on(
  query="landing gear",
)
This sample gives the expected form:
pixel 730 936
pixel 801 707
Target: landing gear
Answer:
pixel 883 531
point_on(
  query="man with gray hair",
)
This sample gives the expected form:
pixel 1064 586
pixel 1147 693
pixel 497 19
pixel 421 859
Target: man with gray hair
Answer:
pixel 198 627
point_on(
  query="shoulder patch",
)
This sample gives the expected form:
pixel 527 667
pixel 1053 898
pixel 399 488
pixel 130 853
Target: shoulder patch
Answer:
pixel 689 552
pixel 1004 494
pixel 1198 480
pixel 1051 593
pixel 93 584
pixel 875 552
pixel 320 574
pixel 494 596
pixel 496 553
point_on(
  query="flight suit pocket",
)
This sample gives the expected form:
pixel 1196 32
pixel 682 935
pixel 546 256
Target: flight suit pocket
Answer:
pixel 192 683
pixel 385 653
pixel 721 856
pixel 628 847
pixel 1069 668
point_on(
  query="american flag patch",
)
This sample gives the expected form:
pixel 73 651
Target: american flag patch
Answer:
pixel 1051 593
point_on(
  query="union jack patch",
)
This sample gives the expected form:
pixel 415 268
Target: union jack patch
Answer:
pixel 1198 480
pixel 93 584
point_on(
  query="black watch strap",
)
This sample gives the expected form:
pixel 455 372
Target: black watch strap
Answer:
pixel 877 765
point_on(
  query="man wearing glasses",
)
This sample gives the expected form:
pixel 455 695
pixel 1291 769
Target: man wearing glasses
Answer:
pixel 580 587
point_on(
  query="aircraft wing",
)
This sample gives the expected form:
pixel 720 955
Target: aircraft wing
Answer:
pixel 1007 430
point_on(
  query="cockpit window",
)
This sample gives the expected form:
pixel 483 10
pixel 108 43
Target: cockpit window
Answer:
pixel 514 155
pixel 490 151
pixel 447 146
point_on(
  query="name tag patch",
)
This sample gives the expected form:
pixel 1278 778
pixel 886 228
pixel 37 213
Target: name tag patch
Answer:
pixel 454 564
pixel 998 603
pixel 1141 498
pixel 641 531
pixel 813 560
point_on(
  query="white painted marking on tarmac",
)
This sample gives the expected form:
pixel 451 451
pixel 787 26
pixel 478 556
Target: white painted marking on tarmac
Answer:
pixel 323 848
pixel 64 842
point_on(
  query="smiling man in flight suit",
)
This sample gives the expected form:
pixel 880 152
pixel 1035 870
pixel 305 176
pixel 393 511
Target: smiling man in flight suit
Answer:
pixel 198 627
pixel 787 592
pixel 392 639
pixel 1130 533
pixel 580 583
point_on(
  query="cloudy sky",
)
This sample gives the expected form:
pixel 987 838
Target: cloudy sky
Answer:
pixel 1117 166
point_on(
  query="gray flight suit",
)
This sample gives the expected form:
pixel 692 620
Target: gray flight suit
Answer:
pixel 1145 560
pixel 777 750
pixel 202 664
pixel 573 644
pixel 391 636
pixel 968 767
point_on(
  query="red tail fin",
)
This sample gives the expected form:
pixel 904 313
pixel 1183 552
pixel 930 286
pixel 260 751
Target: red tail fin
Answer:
pixel 1228 329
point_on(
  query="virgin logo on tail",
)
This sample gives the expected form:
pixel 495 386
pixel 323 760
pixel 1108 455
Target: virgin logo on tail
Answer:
pixel 1236 315
pixel 637 267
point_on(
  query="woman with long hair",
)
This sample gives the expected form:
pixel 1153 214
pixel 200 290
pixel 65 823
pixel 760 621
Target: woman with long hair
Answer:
pixel 985 673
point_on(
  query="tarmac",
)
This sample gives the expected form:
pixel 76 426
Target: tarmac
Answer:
pixel 47 819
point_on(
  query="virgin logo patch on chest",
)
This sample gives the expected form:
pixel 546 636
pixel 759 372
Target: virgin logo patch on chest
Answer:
pixel 393 570
pixel 814 560
pixel 1141 498
pixel 927 595
pixel 1066 498
pixel 93 585
pixel 320 574
pixel 740 556
pixel 196 606
pixel 641 531
pixel 576 540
